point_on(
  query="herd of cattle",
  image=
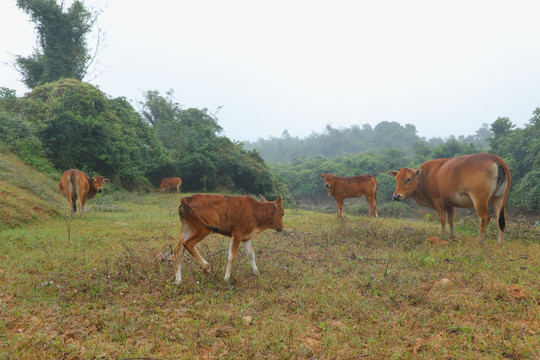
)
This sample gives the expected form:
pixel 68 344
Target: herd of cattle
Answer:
pixel 442 184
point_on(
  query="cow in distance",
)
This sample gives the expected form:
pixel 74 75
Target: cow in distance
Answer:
pixel 239 217
pixel 343 187
pixel 170 183
pixel 464 182
pixel 77 187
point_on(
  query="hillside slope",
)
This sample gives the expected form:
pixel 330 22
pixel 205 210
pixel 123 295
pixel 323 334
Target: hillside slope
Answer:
pixel 26 195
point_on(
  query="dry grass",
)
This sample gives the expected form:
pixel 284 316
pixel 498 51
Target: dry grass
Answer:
pixel 328 289
pixel 26 196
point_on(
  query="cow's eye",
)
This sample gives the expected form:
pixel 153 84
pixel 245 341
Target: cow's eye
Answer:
pixel 408 180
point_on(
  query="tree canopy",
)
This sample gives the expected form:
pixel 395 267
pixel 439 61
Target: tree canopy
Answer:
pixel 62 50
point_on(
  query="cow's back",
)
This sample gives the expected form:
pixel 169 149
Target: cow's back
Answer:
pixel 220 211
pixel 454 181
pixel 353 186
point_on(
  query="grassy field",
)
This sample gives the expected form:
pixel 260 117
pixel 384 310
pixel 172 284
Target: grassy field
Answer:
pixel 92 288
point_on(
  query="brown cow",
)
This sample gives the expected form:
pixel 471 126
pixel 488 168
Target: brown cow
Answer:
pixel 78 187
pixel 169 183
pixel 343 187
pixel 239 217
pixel 465 182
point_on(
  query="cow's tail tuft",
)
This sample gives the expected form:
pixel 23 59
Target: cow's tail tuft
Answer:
pixel 503 178
pixel 185 210
pixel 502 221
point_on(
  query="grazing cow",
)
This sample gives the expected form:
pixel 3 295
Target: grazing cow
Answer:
pixel 78 187
pixel 465 182
pixel 169 183
pixel 342 187
pixel 239 217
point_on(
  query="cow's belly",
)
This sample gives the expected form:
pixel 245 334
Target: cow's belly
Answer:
pixel 460 200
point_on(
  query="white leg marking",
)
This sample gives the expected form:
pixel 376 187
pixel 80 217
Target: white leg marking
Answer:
pixel 186 232
pixel 251 255
pixel 229 262
pixel 178 273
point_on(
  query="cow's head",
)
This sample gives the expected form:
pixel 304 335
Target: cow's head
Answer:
pixel 406 182
pixel 277 219
pixel 98 183
pixel 329 180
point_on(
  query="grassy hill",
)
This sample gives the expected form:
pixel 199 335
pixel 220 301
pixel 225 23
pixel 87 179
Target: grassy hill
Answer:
pixel 26 195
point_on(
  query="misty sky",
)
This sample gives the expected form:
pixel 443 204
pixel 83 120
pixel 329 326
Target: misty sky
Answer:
pixel 446 67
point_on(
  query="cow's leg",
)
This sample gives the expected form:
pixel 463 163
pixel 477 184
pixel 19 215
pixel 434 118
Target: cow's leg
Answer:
pixel 442 217
pixel 498 208
pixel 482 209
pixel 72 206
pixel 233 249
pixel 191 241
pixel 179 250
pixel 81 203
pixel 251 255
pixel 450 214
pixel 340 208
pixel 372 205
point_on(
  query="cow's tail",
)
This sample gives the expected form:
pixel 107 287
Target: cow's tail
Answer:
pixel 376 185
pixel 185 210
pixel 503 178
pixel 73 190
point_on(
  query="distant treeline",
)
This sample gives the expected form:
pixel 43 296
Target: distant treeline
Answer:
pixel 355 139
pixel 389 146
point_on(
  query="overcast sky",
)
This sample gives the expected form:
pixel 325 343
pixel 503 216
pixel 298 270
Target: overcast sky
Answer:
pixel 445 66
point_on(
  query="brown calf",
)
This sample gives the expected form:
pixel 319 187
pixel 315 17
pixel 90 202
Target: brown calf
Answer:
pixel 464 182
pixel 342 187
pixel 239 217
pixel 169 183
pixel 78 187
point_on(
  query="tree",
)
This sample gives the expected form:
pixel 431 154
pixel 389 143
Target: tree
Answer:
pixel 158 109
pixel 199 155
pixel 520 149
pixel 81 128
pixel 501 127
pixel 62 47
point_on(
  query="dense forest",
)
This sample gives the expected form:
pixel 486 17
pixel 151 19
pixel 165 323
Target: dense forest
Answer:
pixel 70 124
pixel 64 122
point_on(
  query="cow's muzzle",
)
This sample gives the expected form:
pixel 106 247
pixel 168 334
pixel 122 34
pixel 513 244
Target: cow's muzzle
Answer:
pixel 397 197
pixel 327 185
pixel 99 190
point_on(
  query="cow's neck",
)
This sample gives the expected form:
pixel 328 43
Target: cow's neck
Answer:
pixel 92 191
pixel 263 213
pixel 421 195
pixel 331 192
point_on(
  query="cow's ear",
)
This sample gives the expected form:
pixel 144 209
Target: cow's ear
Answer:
pixel 336 176
pixel 107 180
pixel 417 172
pixel 262 199
pixel 321 175
pixel 393 173
pixel 279 202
